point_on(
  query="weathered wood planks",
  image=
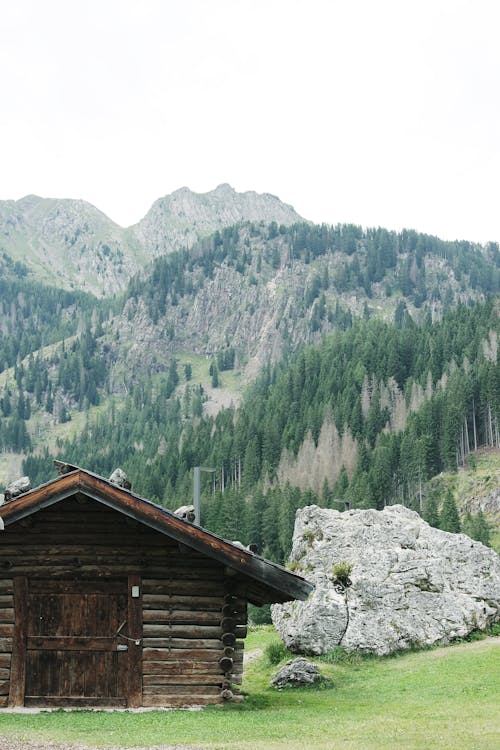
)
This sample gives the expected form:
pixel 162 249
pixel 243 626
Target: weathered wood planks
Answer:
pixel 179 632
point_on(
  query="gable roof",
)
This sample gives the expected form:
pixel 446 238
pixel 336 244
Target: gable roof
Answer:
pixel 267 581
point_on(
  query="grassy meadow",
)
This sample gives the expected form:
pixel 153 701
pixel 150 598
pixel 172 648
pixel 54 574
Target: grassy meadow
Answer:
pixel 444 698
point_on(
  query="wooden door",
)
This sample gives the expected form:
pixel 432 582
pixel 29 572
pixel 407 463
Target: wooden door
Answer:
pixel 76 654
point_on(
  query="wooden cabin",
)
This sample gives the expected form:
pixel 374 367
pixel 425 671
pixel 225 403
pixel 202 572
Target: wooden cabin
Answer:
pixel 107 599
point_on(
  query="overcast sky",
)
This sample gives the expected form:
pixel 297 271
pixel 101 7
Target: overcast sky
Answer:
pixel 378 112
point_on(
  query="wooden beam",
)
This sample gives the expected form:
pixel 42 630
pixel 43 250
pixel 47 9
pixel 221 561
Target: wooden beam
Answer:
pixel 135 646
pixel 18 664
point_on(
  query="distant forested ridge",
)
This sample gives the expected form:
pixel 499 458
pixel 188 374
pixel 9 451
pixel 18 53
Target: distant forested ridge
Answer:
pixel 402 401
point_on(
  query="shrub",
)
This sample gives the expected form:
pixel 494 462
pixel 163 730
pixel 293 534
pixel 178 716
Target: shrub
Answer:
pixel 276 652
pixel 341 571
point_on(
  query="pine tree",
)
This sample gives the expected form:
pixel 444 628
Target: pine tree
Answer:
pixel 448 518
pixel 431 513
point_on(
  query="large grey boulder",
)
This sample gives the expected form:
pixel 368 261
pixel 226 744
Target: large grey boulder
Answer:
pixel 412 585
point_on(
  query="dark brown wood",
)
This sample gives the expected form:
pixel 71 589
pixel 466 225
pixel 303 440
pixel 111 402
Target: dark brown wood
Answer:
pixel 83 661
pixel 228 639
pixel 157 654
pixel 135 617
pixel 18 664
pixel 272 582
pixel 180 667
pixel 183 679
pixel 158 601
pixel 164 630
pixel 72 643
pixel 71 701
pixel 178 701
pixel 226 663
pixel 6 614
pixel 47 586
pixel 194 617
pixel 81 553
pixel 182 643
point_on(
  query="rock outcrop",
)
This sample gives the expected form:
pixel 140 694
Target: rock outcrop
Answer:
pixel 412 585
pixel 297 673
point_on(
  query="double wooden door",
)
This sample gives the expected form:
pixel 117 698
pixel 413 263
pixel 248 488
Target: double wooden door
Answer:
pixel 77 643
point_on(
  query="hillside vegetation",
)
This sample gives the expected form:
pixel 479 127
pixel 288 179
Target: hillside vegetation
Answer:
pixel 369 416
pixel 303 363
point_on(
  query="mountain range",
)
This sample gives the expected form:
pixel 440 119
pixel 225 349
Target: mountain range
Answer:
pixel 223 329
pixel 73 245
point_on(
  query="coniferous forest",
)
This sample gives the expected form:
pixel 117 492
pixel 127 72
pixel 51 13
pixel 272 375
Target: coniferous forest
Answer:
pixel 381 371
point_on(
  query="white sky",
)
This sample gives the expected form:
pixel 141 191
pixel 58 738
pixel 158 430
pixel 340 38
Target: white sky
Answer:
pixel 378 112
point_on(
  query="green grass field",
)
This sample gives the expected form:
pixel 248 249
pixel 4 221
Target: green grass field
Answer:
pixel 443 698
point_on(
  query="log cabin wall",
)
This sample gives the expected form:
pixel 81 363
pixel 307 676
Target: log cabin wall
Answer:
pixel 6 636
pixel 134 617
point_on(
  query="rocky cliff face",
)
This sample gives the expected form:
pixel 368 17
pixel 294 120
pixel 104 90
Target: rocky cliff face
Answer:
pixel 410 585
pixel 71 244
pixel 180 219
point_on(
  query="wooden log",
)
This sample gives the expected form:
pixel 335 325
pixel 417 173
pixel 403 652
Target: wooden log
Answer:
pixel 7 630
pixel 78 586
pixel 5 660
pixel 226 664
pixel 6 586
pixel 228 624
pixel 178 654
pixel 71 643
pixel 183 679
pixel 4 687
pixel 179 690
pixel 18 666
pixel 228 639
pixel 178 701
pixel 4 674
pixel 6 600
pixel 170 587
pixel 181 616
pixel 135 624
pixel 182 643
pixel 227 695
pixel 4 701
pixel 165 630
pixel 240 631
pixel 184 667
pixel 7 614
pixel 5 645
pixel 162 601
pixel 228 651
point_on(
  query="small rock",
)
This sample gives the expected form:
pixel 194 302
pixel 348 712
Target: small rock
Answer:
pixel 19 487
pixel 186 512
pixel 119 478
pixel 296 673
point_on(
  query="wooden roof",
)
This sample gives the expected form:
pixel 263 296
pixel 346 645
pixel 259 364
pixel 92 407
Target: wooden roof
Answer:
pixel 265 581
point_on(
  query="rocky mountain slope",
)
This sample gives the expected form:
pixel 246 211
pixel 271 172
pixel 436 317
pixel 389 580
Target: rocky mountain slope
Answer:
pixel 71 244
pixel 180 219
